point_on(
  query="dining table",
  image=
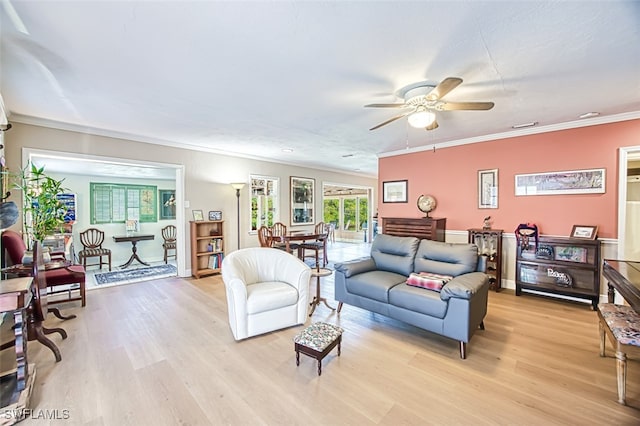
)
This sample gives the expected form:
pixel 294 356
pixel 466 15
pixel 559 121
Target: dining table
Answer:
pixel 299 237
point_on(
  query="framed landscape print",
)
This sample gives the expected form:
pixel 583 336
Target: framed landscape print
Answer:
pixel 302 200
pixel 591 181
pixel 394 191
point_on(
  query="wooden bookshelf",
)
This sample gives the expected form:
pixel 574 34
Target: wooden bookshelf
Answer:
pixel 207 247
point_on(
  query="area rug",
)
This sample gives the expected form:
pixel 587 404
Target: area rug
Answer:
pixel 127 276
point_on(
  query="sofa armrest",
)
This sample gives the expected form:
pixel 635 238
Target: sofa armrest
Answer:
pixel 356 266
pixel 482 263
pixel 464 286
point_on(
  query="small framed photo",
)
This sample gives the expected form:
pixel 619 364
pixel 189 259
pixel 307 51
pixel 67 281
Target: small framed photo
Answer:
pixel 587 232
pixel 215 215
pixel 394 191
pixel 198 216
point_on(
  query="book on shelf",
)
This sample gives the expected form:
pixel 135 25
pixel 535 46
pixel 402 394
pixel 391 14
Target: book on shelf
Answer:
pixel 215 261
pixel 216 244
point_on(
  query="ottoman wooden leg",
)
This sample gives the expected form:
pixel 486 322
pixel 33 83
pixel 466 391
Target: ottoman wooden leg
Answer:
pixel 319 367
pixel 297 358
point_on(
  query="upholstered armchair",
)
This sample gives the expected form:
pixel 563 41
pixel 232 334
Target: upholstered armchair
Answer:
pixel 267 289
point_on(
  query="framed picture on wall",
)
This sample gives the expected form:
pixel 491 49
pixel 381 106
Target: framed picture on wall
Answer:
pixel 302 200
pixel 394 191
pixel 488 189
pixel 167 200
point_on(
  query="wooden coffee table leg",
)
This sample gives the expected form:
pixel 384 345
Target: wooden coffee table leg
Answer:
pixel 56 312
pixel 40 337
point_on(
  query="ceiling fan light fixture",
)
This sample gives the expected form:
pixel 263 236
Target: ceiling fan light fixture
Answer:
pixel 421 118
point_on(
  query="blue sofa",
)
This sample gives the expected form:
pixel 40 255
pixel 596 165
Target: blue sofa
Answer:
pixel 378 284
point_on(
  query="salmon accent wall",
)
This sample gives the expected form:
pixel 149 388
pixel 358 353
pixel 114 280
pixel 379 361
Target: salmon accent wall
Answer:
pixel 451 176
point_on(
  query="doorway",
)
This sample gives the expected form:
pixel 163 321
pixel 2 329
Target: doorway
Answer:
pixel 60 162
pixel 629 204
pixel 348 209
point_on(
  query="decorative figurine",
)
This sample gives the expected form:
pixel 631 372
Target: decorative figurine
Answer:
pixel 487 223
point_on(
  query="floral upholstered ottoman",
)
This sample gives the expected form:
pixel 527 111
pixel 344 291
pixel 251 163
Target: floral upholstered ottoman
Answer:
pixel 317 340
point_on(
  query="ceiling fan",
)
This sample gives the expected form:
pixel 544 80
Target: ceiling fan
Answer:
pixel 423 99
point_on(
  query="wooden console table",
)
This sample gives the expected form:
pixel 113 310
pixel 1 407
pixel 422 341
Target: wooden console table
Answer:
pixel 133 239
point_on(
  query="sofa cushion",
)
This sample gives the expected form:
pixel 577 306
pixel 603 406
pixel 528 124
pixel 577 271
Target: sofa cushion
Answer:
pixel 446 258
pixel 428 280
pixel 417 300
pixel 374 285
pixel 394 254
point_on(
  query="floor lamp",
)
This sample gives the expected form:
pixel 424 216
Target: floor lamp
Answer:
pixel 238 187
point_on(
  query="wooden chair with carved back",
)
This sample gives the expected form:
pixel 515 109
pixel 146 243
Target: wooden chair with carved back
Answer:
pixel 169 237
pixel 92 240
pixel 264 236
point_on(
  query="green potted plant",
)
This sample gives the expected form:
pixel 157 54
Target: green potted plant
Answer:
pixel 43 212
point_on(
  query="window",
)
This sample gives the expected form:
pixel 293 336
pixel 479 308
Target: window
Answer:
pixel 264 201
pixel 117 203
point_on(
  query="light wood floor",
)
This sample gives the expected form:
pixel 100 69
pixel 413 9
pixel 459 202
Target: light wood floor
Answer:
pixel 161 353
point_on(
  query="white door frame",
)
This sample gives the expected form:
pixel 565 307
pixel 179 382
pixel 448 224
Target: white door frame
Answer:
pixel 370 196
pixel 626 153
pixel 28 153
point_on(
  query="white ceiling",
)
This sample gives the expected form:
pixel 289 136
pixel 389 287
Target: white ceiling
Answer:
pixel 254 78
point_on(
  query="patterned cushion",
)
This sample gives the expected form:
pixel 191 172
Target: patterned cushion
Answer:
pixel 623 322
pixel 318 336
pixel 94 252
pixel 428 280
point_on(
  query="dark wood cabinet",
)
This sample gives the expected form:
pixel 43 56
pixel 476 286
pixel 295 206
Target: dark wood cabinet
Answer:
pixel 425 227
pixel 489 242
pixel 559 265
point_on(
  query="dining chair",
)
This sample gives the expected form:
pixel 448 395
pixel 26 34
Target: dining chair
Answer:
pixel 92 240
pixel 264 236
pixel 279 229
pixel 169 237
pixel 320 244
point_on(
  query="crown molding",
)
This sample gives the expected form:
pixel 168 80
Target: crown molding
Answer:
pixel 42 122
pixel 520 132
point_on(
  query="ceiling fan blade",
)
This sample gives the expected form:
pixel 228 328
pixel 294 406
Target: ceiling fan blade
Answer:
pixel 397 117
pixel 386 106
pixel 457 106
pixel 433 125
pixel 444 87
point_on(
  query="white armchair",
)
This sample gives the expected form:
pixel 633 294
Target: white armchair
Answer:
pixel 267 289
